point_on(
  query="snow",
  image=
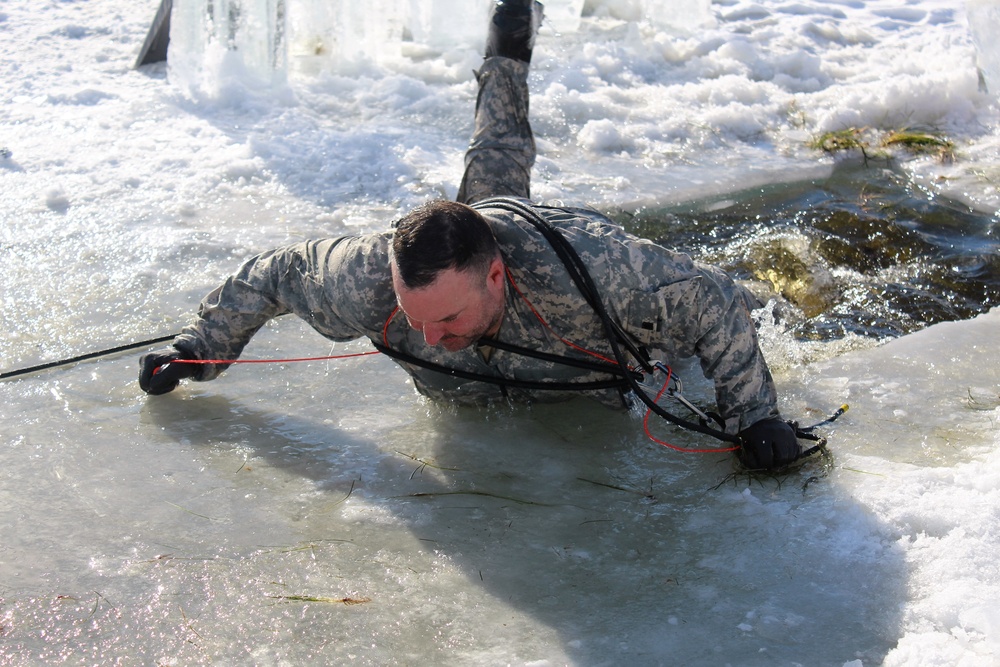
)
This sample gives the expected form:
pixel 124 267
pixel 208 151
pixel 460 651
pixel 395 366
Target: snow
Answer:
pixel 191 528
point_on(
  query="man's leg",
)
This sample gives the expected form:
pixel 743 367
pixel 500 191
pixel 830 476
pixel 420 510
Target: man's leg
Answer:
pixel 502 151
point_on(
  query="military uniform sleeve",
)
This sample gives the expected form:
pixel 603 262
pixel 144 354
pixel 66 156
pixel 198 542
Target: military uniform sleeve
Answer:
pixel 317 281
pixel 715 318
pixel 706 314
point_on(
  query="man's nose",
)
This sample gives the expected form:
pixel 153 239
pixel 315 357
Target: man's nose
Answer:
pixel 433 333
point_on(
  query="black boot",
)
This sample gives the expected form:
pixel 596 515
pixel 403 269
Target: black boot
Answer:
pixel 513 25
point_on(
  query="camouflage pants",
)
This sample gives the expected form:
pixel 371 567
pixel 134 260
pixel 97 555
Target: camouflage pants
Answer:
pixel 502 151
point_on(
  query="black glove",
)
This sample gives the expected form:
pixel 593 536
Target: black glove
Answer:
pixel 159 374
pixel 770 443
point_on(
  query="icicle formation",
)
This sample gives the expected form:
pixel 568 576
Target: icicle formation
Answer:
pixel 264 39
pixel 227 36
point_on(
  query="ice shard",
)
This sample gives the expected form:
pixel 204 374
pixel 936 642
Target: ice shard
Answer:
pixel 984 24
pixel 563 15
pixel 444 24
pixel 249 34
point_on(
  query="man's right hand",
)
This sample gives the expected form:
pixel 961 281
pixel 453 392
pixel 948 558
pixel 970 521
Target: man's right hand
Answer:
pixel 159 374
pixel 769 444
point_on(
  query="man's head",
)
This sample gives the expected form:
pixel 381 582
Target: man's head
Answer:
pixel 448 274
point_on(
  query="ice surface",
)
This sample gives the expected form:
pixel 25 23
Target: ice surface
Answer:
pixel 301 514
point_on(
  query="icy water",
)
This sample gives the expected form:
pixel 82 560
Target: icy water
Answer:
pixel 322 513
pixel 326 514
pixel 863 252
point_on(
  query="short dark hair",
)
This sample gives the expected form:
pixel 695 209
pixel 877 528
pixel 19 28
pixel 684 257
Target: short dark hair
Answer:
pixel 438 236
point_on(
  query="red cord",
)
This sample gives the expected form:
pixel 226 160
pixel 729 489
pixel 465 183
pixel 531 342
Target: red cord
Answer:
pixel 645 426
pixel 564 341
pixel 569 343
pixel 645 420
pixel 385 327
pixel 270 361
pixel 385 338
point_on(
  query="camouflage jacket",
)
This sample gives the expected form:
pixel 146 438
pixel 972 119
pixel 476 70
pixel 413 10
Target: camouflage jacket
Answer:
pixel 666 302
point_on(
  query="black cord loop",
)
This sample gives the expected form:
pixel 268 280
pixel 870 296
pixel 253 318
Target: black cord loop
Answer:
pixel 615 335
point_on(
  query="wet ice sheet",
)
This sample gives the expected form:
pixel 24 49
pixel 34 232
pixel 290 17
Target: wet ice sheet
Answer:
pixel 269 519
pixel 238 521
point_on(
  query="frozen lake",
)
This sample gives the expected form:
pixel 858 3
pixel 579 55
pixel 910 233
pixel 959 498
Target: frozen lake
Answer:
pixel 323 513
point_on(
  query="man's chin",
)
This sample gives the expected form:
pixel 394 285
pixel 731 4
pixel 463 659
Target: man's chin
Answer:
pixel 456 344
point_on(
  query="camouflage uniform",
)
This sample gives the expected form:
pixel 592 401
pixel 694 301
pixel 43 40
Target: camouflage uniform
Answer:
pixel 665 301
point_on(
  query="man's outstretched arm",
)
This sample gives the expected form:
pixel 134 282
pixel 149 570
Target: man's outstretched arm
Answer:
pixel 314 280
pixel 730 355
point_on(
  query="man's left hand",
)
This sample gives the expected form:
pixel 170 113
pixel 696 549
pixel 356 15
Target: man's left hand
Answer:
pixel 770 443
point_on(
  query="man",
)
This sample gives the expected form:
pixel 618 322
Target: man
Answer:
pixel 486 299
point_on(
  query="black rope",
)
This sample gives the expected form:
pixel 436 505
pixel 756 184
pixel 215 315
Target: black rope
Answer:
pixel 586 364
pixel 84 357
pixel 578 272
pixel 574 266
pixel 806 433
pixel 544 385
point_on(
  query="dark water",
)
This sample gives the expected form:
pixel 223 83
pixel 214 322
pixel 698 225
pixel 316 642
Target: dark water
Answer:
pixel 863 252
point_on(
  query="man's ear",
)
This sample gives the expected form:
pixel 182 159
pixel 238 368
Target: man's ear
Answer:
pixel 495 275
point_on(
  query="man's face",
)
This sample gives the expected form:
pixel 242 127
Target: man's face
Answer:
pixel 457 309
